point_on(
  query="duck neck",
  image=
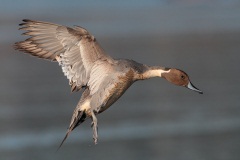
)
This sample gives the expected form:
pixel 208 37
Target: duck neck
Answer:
pixel 154 71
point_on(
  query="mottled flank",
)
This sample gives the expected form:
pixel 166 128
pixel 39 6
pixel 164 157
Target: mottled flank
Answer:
pixel 102 78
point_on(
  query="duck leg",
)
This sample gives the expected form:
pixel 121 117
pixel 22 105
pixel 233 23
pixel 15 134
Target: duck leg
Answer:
pixel 95 128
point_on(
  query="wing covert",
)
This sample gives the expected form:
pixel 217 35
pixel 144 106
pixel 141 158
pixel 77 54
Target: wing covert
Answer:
pixel 75 49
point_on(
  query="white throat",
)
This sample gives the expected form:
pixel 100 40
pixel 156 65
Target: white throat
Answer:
pixel 154 73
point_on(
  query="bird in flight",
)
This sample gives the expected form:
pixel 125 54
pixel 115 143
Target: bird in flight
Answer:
pixel 102 78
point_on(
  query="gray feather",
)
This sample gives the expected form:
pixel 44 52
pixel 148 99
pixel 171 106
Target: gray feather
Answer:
pixel 76 49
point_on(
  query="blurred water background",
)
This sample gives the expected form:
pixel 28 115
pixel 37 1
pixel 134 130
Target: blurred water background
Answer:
pixel 154 119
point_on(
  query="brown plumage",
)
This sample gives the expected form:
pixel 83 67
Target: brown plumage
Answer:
pixel 87 67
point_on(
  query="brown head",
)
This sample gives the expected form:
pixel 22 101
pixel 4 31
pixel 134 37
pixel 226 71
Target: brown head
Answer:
pixel 179 78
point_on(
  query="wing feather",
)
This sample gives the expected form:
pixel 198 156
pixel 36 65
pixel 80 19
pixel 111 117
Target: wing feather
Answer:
pixel 75 49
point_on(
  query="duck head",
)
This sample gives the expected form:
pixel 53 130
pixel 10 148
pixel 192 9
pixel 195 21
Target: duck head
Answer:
pixel 180 78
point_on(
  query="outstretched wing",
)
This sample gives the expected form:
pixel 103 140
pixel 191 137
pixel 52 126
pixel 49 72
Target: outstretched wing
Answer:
pixel 75 49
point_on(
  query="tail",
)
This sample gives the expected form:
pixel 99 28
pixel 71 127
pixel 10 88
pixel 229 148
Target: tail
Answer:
pixel 68 132
pixel 77 119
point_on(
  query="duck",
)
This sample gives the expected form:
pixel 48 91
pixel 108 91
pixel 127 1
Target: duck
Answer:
pixel 102 79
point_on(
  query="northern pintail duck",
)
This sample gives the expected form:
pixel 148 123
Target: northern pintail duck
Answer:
pixel 85 64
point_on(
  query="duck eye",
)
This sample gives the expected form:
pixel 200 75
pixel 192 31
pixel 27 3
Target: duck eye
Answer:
pixel 182 77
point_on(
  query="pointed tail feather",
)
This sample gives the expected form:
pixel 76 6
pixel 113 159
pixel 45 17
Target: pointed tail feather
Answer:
pixel 68 132
pixel 80 117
